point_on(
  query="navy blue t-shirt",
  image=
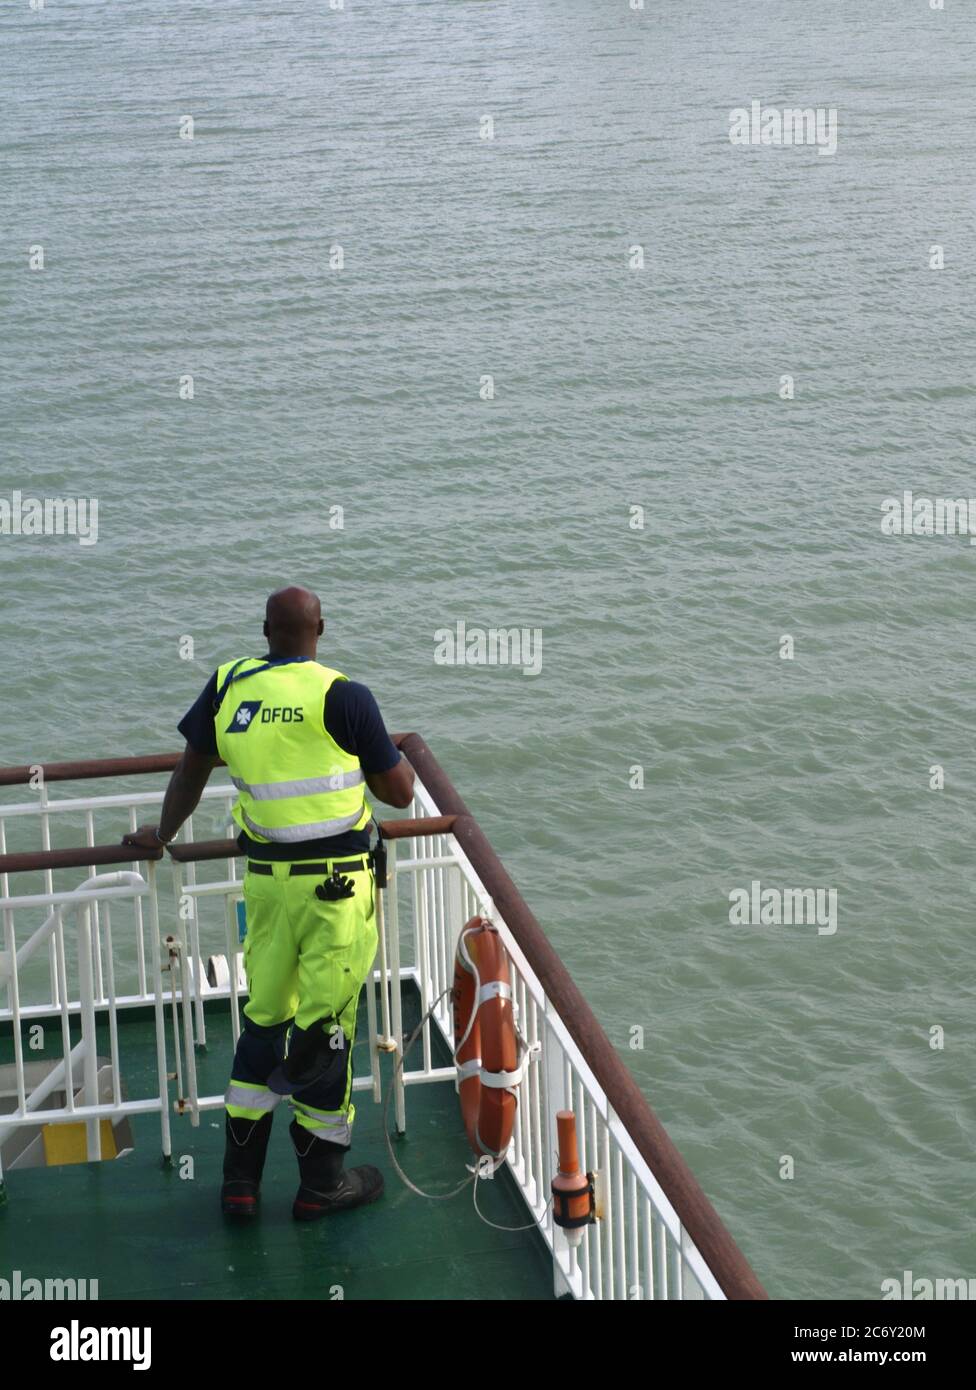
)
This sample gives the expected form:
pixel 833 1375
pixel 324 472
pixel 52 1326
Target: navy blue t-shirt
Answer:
pixel 352 718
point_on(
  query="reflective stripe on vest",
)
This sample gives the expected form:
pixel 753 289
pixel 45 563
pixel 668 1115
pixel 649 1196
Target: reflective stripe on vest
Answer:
pixel 294 782
pixel 308 830
pixel 306 786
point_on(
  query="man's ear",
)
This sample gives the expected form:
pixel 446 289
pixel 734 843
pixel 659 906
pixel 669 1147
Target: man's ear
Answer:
pixel 264 627
pixel 321 626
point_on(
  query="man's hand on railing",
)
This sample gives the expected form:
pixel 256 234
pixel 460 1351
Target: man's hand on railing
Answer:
pixel 145 837
pixel 180 800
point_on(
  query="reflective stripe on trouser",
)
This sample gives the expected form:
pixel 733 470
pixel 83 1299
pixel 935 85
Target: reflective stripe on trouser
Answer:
pixel 247 1101
pixel 333 1125
pixel 306 959
pixel 259 1051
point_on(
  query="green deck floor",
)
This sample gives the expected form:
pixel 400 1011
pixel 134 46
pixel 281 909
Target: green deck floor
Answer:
pixel 144 1232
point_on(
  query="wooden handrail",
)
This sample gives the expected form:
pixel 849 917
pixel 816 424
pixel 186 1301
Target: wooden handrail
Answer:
pixel 79 857
pixel 91 767
pixel 194 851
pixel 102 767
pixel 409 828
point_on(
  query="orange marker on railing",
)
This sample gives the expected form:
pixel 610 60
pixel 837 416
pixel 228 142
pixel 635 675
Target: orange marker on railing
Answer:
pixel 572 1191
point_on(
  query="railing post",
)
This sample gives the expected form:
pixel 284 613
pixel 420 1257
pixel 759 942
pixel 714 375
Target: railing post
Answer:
pixel 194 944
pixel 555 1096
pixel 188 968
pixel 86 999
pixel 233 931
pixel 382 954
pixel 371 1024
pixel 421 958
pixel 140 934
pixel 161 1068
pixel 49 885
pixel 13 992
pixel 390 895
pixel 189 987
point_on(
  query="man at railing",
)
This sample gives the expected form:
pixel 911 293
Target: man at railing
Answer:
pixel 301 742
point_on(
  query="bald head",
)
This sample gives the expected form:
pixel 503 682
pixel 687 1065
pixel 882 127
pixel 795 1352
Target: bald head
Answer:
pixel 293 622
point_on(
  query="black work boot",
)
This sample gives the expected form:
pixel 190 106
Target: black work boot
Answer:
pixel 325 1185
pixel 247 1145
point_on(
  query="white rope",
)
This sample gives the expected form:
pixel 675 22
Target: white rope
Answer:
pixel 398 1067
pixel 495 1224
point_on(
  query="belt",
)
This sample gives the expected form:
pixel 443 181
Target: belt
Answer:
pixel 345 866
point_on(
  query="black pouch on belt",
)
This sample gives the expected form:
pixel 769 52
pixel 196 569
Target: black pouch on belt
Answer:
pixel 377 859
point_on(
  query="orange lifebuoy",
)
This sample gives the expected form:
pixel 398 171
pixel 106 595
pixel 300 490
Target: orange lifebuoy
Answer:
pixel 486 1045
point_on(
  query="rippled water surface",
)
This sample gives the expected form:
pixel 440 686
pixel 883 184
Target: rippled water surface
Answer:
pixel 361 387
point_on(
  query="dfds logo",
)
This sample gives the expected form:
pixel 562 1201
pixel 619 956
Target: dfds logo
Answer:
pixel 243 716
pixel 247 712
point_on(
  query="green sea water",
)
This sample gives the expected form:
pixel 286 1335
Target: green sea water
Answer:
pixel 511 502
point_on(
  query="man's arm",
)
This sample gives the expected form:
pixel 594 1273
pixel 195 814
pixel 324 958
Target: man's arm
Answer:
pixel 181 800
pixel 353 719
pixel 394 787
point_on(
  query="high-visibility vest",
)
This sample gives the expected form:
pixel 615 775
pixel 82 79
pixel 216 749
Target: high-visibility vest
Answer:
pixel 294 781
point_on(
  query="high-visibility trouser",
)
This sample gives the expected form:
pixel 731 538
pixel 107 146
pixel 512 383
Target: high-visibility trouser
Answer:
pixel 304 959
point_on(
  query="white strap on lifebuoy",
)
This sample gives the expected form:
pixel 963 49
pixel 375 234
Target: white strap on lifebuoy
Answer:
pixel 493 989
pixel 500 1080
pixel 504 1080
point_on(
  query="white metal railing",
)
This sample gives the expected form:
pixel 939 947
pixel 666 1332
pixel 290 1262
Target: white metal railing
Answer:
pixel 91 969
pixel 637 1249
